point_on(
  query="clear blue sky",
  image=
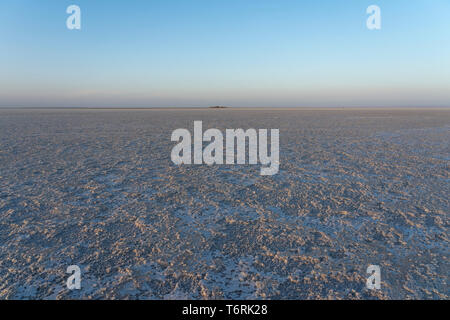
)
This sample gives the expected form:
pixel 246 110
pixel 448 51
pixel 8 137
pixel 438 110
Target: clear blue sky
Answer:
pixel 275 53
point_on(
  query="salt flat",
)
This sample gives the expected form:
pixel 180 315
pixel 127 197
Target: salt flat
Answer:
pixel 97 188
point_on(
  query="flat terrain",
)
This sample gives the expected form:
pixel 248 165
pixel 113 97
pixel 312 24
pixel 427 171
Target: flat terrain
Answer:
pixel 97 188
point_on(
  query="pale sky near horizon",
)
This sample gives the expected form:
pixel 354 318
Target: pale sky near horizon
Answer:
pixel 239 53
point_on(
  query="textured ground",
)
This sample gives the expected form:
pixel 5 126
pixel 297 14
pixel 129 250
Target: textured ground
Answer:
pixel 97 188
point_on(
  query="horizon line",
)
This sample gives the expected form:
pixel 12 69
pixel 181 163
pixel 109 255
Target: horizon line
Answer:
pixel 226 107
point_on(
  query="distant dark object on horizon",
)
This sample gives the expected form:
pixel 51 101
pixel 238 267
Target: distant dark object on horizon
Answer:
pixel 218 107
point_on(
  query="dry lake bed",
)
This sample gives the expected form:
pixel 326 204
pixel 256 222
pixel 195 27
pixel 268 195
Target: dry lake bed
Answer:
pixel 97 189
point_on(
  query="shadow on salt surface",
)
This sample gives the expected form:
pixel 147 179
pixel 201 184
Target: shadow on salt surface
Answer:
pixel 211 219
pixel 333 226
pixel 115 184
pixel 239 279
pixel 416 137
pixel 236 279
pixel 109 179
pixel 144 282
pixel 239 175
pixel 26 291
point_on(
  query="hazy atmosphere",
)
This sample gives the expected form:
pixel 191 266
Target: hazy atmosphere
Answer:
pixel 237 53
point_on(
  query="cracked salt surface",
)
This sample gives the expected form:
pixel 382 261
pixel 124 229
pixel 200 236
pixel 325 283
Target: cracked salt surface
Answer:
pixel 97 188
